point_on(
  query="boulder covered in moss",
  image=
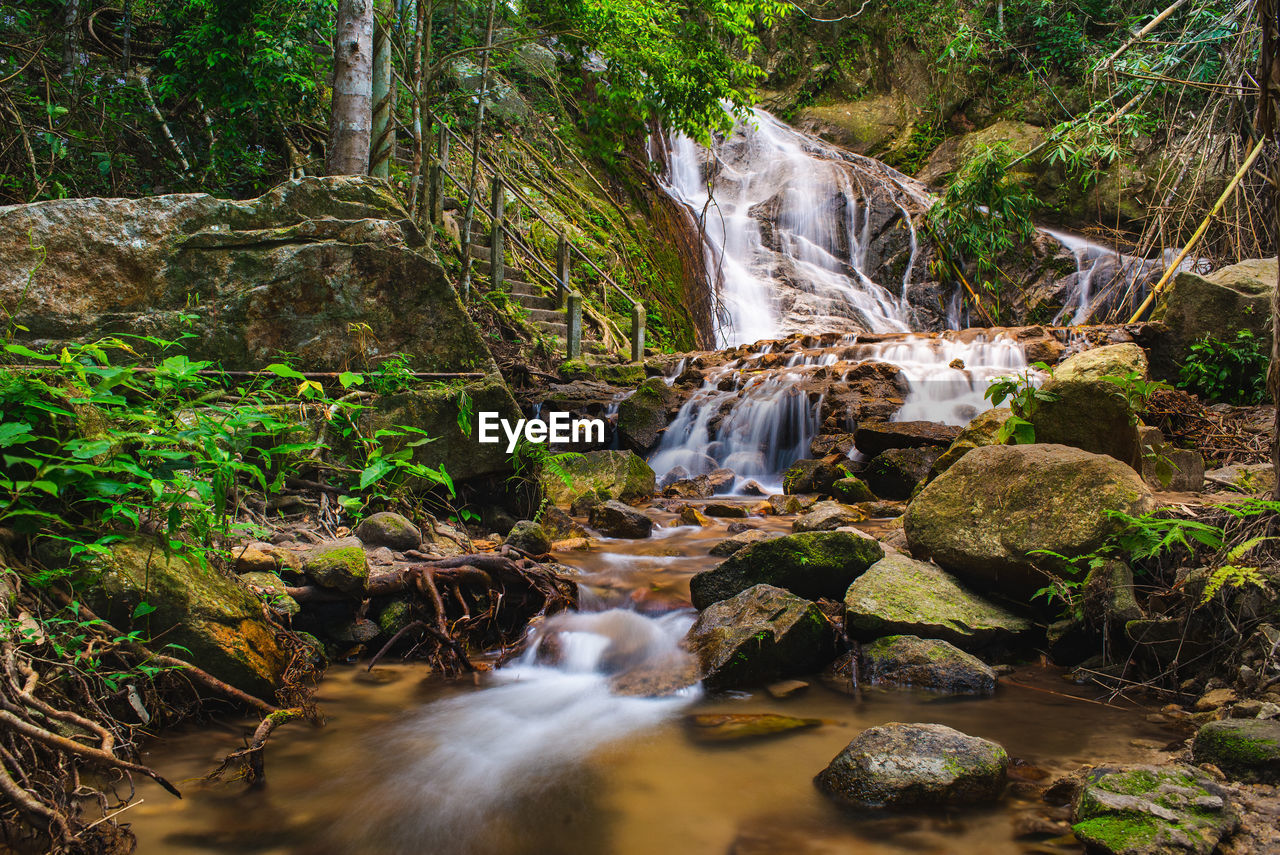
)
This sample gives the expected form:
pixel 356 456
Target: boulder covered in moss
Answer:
pixel 828 516
pixel 983 429
pixel 1091 415
pixel 895 474
pixel 390 530
pixel 926 663
pixel 811 476
pixel 643 415
pixel 1152 810
pixel 909 765
pixel 852 490
pixel 899 595
pixel 1112 360
pixel 813 565
pixel 758 636
pixel 605 475
pixel 1248 749
pixel 341 566
pixel 529 537
pixel 986 518
pixel 196 608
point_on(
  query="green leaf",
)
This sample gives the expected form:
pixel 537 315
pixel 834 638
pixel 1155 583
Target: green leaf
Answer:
pixel 374 472
pixel 142 610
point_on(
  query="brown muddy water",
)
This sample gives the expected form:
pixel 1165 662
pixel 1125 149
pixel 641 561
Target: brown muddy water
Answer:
pixel 539 758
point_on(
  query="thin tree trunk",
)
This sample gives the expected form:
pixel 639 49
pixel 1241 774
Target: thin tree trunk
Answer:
pixel 469 217
pixel 70 37
pixel 351 116
pixel 1268 108
pixel 126 35
pixel 384 129
pixel 415 107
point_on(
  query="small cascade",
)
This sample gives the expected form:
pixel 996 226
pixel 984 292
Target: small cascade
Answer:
pixel 1105 277
pixel 757 414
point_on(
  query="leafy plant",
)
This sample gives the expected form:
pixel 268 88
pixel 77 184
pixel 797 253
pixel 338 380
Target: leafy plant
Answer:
pixel 1233 371
pixel 1135 389
pixel 1024 395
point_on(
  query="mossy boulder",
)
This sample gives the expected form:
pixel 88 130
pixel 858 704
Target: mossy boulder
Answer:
pixel 811 476
pixel 604 474
pixel 1233 298
pixel 529 537
pixel 985 518
pixel 196 607
pixel 1091 415
pixel 909 765
pixel 812 565
pixel 1152 810
pixel 758 636
pixel 926 663
pixel 1112 360
pixel 867 125
pixel 340 566
pixel 851 490
pixel 741 540
pixel 983 429
pixel 643 415
pixel 1243 748
pixel 395 616
pixel 899 595
pixel 615 519
pixel 390 530
pixel 272 589
pixel 873 437
pixel 828 516
pixel 895 474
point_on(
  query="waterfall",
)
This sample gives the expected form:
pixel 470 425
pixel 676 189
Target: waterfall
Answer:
pixel 795 230
pixel 804 237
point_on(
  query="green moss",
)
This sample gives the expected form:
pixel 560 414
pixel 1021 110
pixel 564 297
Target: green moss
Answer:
pixel 344 569
pixel 1118 833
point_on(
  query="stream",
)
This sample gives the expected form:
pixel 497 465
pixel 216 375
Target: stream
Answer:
pixel 545 758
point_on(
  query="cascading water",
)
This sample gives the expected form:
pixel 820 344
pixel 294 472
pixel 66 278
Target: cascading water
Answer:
pixel 1104 275
pixel 795 231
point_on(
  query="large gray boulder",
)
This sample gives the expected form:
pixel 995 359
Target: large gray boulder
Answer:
pixel 1230 299
pixel 813 565
pixel 1089 411
pixel 983 518
pixel 1152 810
pixel 828 516
pixel 906 765
pixel 1243 748
pixel 901 596
pixel 643 415
pixel 615 519
pixel 758 636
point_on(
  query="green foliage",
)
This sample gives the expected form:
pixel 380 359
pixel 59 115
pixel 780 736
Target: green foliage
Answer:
pixel 1233 371
pixel 1087 147
pixel 94 448
pixel 1136 390
pixel 1024 395
pixel 986 210
pixel 672 62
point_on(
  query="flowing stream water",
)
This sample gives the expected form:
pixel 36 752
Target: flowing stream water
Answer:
pixel 541 758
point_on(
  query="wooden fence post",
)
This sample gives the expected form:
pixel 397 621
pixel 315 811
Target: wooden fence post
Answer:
pixel 435 175
pixel 562 270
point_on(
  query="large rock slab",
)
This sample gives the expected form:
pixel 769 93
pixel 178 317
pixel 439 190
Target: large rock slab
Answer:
pixel 828 516
pixel 926 663
pixel 605 474
pixel 213 616
pixel 758 636
pixel 984 517
pixel 901 596
pixel 1092 415
pixel 895 474
pixel 906 765
pixel 983 429
pixel 811 565
pixel 615 519
pixel 873 437
pixel 1112 360
pixel 1233 298
pixel 292 270
pixel 1152 810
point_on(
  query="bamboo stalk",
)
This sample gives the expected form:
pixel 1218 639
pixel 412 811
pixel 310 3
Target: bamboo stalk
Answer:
pixel 1199 232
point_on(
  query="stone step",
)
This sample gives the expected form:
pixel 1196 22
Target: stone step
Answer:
pixel 560 331
pixel 516 286
pixel 551 316
pixel 530 301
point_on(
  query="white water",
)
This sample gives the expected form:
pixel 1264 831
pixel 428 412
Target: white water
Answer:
pixel 806 275
pixel 816 201
pixel 460 762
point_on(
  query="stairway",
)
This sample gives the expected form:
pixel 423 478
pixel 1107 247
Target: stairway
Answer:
pixel 540 307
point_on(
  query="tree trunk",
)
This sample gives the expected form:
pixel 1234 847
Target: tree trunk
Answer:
pixel 1268 108
pixel 468 217
pixel 70 37
pixel 351 116
pixel 415 106
pixel 384 129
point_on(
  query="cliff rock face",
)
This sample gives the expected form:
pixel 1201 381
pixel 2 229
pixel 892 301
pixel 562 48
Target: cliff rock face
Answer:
pixel 299 269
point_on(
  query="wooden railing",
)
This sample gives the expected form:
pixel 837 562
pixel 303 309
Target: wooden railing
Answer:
pixel 500 232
